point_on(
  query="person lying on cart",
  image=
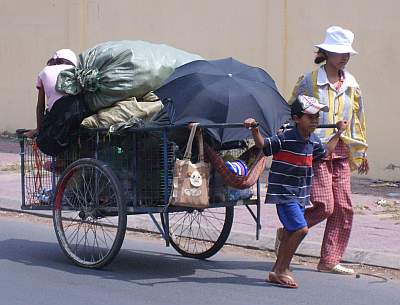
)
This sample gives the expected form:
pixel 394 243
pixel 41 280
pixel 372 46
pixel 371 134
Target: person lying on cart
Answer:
pixel 290 177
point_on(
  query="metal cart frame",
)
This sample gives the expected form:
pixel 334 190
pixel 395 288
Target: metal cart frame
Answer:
pixel 98 181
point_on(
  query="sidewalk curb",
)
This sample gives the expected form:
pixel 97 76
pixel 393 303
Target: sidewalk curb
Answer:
pixel 266 242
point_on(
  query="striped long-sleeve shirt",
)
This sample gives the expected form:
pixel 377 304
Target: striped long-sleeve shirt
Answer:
pixel 344 104
pixel 291 173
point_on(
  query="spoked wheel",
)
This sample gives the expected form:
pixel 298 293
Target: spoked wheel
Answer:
pixel 89 213
pixel 199 233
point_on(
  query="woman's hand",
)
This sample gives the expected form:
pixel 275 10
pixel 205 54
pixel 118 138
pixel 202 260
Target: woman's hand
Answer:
pixel 364 167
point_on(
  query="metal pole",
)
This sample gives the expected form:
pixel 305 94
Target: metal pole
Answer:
pixel 22 154
pixel 53 180
pixel 166 186
pixel 258 226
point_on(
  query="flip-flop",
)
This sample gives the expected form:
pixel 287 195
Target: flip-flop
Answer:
pixel 281 280
pixel 337 269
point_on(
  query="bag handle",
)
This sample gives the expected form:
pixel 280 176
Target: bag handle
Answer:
pixel 201 145
pixel 188 151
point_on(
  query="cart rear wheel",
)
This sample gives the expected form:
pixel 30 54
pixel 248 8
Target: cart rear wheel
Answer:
pixel 89 213
pixel 200 233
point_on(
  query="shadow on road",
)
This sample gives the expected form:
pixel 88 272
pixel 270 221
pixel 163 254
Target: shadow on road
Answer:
pixel 142 267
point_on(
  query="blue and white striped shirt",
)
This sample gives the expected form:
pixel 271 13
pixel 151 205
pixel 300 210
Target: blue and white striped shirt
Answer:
pixel 291 173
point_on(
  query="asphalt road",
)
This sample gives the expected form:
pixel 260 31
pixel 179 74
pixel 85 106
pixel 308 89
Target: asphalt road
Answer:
pixel 33 270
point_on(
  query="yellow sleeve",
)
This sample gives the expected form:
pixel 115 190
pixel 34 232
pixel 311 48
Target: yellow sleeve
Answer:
pixel 357 139
pixel 358 128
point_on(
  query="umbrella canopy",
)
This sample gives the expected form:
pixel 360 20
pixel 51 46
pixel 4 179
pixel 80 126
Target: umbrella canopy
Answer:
pixel 224 91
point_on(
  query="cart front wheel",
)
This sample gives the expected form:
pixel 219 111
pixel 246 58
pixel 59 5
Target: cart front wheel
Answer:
pixel 199 233
pixel 89 213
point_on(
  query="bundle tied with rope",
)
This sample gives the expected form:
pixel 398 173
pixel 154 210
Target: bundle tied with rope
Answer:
pixel 116 70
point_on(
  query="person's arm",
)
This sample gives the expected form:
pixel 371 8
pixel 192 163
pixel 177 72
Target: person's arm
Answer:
pixel 341 127
pixel 270 145
pixel 40 107
pixel 359 128
pixel 255 132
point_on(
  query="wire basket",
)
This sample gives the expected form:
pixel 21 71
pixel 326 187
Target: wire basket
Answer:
pixel 36 174
pixel 143 162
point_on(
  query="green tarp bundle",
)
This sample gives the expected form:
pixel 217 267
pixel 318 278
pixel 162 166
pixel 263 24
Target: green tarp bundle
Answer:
pixel 116 70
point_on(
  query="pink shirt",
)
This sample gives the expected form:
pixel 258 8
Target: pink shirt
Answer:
pixel 47 80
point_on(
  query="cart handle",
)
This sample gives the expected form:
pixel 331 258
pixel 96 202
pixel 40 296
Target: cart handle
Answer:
pixel 21 131
pixel 240 125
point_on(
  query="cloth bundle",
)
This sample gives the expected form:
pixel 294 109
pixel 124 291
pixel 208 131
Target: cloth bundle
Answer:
pixel 123 111
pixel 238 167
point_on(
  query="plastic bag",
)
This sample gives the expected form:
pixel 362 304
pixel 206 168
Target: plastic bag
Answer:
pixel 115 70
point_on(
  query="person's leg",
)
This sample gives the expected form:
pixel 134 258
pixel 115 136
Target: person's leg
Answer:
pixel 281 273
pixel 321 198
pixel 339 224
pixel 321 194
pixel 287 249
pixel 295 229
pixel 278 238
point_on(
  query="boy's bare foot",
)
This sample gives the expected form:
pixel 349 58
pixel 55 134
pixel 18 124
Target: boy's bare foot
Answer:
pixel 282 280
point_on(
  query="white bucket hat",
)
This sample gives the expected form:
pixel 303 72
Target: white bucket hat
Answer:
pixel 66 54
pixel 338 40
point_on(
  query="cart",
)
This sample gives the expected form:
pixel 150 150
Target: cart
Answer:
pixel 96 183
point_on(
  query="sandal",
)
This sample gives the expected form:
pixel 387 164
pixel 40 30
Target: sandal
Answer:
pixel 282 280
pixel 336 269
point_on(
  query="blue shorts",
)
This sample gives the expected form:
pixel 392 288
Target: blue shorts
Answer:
pixel 291 216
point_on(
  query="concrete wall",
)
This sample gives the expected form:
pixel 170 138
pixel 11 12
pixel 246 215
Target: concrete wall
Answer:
pixel 277 35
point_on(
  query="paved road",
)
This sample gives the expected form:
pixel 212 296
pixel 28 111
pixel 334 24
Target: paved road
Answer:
pixel 33 271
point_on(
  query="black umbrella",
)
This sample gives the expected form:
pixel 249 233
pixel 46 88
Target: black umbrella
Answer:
pixel 224 91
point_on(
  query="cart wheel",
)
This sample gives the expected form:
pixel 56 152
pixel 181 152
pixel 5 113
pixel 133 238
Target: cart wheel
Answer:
pixel 89 213
pixel 199 233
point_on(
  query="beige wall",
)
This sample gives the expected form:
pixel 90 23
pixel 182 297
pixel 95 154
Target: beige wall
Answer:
pixel 277 35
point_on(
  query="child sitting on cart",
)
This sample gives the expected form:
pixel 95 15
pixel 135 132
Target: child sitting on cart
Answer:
pixel 290 177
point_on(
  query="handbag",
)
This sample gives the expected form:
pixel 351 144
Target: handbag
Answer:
pixel 190 180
